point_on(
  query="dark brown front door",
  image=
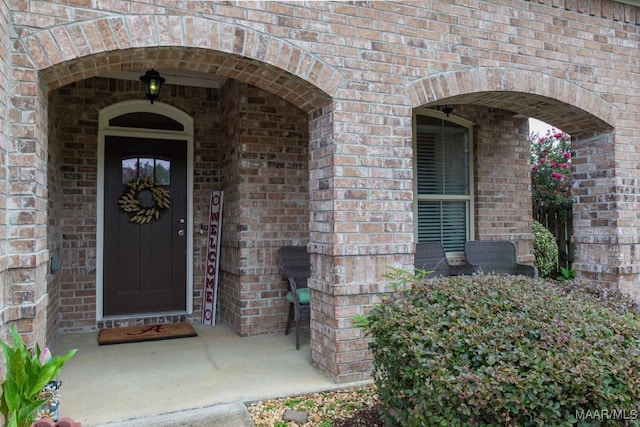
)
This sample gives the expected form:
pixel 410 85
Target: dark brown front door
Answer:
pixel 144 263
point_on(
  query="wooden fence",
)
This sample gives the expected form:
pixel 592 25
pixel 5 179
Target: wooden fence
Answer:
pixel 560 224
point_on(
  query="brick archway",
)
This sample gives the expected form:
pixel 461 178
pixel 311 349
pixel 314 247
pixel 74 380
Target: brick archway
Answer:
pixel 557 101
pixel 350 68
pixel 81 51
pixel 604 246
pixel 78 51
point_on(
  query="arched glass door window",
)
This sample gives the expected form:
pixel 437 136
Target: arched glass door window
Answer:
pixel 146 120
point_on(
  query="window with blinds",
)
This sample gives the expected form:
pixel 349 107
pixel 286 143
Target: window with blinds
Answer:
pixel 443 180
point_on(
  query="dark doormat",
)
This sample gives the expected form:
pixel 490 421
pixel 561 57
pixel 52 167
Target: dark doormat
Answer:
pixel 146 333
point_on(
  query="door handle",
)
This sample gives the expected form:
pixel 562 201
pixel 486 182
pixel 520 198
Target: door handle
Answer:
pixel 180 233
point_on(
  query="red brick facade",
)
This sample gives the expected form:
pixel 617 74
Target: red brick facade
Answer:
pixel 310 138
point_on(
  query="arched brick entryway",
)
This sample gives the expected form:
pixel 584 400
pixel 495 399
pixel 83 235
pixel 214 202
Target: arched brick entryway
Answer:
pixel 85 51
pixel 553 100
pixel 82 50
pixel 601 252
pixel 355 71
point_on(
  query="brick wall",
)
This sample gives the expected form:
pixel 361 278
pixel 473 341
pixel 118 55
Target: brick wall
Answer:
pixel 358 69
pixel 503 178
pixel 599 254
pixel 208 140
pixel 271 161
pixel 54 215
pixel 230 274
pixel 4 142
pixel 74 165
pixel 502 187
pixel 24 259
pixel 264 173
pixel 247 142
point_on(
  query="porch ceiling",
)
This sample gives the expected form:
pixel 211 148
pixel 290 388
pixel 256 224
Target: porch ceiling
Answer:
pixel 176 77
pixel 181 65
pixel 568 118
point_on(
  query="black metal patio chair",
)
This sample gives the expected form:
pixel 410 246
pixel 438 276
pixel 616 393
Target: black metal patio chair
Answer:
pixel 431 256
pixel 295 267
pixel 497 256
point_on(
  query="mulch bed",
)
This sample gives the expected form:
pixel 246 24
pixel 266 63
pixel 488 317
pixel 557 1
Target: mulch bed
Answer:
pixel 368 417
pixel 356 407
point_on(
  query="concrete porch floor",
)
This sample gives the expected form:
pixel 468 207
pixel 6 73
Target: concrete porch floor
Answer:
pixel 169 382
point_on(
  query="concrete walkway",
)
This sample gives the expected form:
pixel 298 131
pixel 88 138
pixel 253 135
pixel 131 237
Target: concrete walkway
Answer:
pixel 201 381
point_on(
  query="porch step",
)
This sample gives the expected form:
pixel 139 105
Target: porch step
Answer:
pixel 227 415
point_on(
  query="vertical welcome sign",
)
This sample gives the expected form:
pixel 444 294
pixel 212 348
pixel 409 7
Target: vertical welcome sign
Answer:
pixel 213 260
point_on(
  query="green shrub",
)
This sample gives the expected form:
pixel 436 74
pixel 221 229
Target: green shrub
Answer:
pixel 489 350
pixel 545 248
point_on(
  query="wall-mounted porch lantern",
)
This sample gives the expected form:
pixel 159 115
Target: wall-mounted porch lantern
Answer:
pixel 447 109
pixel 153 82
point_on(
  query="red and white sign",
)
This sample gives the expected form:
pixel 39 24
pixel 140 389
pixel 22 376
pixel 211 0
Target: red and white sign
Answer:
pixel 213 260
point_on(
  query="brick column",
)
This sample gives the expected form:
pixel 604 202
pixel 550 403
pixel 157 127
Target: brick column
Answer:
pixel 4 176
pixel 503 199
pixel 26 159
pixel 361 225
pixel 265 177
pixel 605 211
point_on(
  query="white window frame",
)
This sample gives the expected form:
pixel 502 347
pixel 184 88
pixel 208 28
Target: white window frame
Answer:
pixel 469 199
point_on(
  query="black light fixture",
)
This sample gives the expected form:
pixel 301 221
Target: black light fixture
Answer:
pixel 447 109
pixel 153 82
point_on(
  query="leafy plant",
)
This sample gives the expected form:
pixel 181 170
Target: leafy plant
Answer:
pixel 566 274
pixel 545 249
pixel 26 375
pixel 500 350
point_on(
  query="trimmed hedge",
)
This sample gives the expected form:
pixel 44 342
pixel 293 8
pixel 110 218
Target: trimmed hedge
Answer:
pixel 489 350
